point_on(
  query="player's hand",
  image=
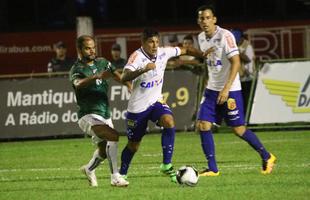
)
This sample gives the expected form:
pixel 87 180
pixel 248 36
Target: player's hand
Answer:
pixel 223 96
pixel 206 53
pixel 149 66
pixel 104 75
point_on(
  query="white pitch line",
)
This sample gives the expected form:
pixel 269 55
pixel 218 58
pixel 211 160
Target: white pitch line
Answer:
pixel 239 166
pixel 152 155
pixel 134 171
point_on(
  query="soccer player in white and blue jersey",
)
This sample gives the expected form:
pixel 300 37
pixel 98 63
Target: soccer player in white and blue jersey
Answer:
pixel 222 96
pixel 145 68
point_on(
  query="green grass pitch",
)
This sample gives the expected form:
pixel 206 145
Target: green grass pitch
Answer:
pixel 49 169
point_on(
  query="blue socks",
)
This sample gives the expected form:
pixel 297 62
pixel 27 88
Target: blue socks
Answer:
pixel 167 143
pixel 127 156
pixel 208 147
pixel 254 142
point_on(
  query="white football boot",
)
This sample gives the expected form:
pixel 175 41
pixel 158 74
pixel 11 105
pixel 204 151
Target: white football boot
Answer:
pixel 118 180
pixel 91 176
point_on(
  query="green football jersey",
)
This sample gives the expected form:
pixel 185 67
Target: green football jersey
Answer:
pixel 92 99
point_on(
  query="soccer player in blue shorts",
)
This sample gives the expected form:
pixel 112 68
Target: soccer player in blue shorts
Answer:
pixel 145 68
pixel 222 96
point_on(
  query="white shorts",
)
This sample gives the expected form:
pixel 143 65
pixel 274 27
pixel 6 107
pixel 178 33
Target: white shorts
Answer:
pixel 87 121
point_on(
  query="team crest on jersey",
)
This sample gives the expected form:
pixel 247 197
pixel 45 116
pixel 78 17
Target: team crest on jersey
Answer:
pixel 131 123
pixel 231 104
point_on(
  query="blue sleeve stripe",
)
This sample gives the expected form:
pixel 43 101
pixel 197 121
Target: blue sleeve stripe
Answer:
pixel 231 52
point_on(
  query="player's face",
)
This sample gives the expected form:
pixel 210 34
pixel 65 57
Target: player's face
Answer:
pixel 206 21
pixel 150 46
pixel 60 51
pixel 187 43
pixel 88 51
pixel 115 54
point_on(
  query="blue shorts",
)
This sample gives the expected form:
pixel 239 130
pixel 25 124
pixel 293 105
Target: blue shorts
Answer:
pixel 231 110
pixel 137 122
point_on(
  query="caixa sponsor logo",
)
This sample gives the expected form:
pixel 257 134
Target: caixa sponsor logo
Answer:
pixel 214 63
pixel 151 84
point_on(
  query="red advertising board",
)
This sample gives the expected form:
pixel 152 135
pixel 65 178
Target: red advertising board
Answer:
pixel 30 52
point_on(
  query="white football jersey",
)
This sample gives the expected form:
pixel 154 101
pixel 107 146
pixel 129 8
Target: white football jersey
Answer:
pixel 218 64
pixel 147 88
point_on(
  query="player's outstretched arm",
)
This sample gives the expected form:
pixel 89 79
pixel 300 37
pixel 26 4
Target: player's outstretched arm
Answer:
pixel 129 75
pixel 117 77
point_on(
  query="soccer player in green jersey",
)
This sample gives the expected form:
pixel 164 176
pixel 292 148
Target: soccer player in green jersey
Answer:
pixel 88 77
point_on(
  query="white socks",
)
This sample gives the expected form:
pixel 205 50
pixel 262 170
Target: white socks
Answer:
pixel 111 151
pixel 94 161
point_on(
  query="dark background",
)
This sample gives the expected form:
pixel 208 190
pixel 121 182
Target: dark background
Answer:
pixel 38 15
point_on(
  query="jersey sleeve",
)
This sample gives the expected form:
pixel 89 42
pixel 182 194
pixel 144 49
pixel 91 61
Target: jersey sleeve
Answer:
pixel 76 73
pixel 173 51
pixel 231 48
pixel 133 63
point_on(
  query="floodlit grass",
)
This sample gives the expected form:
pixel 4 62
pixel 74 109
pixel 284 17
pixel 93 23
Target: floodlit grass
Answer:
pixel 39 170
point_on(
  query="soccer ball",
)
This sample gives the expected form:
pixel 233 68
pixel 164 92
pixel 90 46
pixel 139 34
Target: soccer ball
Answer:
pixel 187 175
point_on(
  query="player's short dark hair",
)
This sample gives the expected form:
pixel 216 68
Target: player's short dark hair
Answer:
pixel 80 40
pixel 189 37
pixel 206 7
pixel 149 32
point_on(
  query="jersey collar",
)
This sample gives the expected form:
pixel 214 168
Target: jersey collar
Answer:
pixel 153 59
pixel 215 32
